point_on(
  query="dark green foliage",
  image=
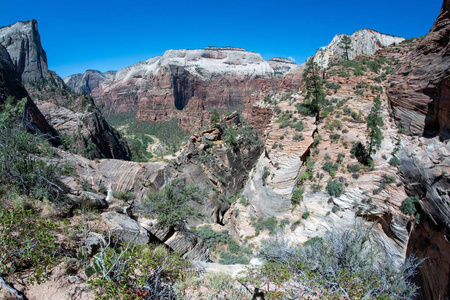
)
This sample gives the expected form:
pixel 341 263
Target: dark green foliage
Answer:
pixel 297 196
pixel 389 178
pixel 298 137
pixel 394 161
pixel 353 168
pixel 298 126
pixel 305 215
pixel 215 117
pixel 124 196
pixel 174 203
pixel 269 224
pixel 26 240
pixel 227 258
pixel 24 158
pixel 229 137
pixel 126 270
pixel 313 87
pixel 374 122
pixel 334 138
pixel 409 205
pixel 359 151
pixel 333 86
pixel 211 237
pixel 340 158
pixel 330 167
pixel 335 188
pixel 346 45
pixel 265 174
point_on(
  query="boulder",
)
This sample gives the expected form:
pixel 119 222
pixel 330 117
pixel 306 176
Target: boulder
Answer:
pixel 126 228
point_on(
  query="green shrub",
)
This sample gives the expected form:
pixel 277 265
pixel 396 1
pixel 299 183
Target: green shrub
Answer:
pixel 174 203
pixel 305 215
pixel 269 224
pixel 394 161
pixel 124 196
pixel 298 137
pixel 25 160
pixel 297 196
pixel 26 240
pixel 409 205
pixel 335 188
pixel 330 167
pixel 353 168
pixel 389 178
pixel 126 270
pixel 211 237
pixel 227 258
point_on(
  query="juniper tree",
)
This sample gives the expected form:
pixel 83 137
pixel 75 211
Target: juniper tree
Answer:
pixel 313 87
pixel 346 45
pixel 374 122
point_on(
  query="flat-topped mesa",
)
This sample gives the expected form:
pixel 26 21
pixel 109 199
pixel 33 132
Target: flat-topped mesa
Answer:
pixel 224 48
pixel 364 41
pixel 282 60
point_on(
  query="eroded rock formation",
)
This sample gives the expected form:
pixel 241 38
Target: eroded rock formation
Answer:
pixel 364 41
pixel 420 95
pixel 187 84
pixel 73 115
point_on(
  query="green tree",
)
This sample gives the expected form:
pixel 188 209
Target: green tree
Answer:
pixel 174 204
pixel 215 117
pixel 374 122
pixel 346 45
pixel 313 87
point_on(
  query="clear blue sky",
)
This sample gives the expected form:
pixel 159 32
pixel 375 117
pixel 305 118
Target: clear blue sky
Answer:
pixel 108 35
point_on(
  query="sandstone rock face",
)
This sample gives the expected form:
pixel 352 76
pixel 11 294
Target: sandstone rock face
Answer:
pixel 186 84
pixel 364 41
pixel 420 97
pixel 23 43
pixel 85 83
pixel 10 85
pixel 424 167
pixel 74 115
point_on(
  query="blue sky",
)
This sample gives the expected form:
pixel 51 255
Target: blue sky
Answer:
pixel 108 35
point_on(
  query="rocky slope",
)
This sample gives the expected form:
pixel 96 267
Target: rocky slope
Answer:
pixel 419 99
pixel 187 84
pixel 11 86
pixel 73 115
pixel 364 41
pixel 419 94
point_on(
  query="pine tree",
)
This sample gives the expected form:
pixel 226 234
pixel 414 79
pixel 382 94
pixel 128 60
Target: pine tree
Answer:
pixel 346 45
pixel 374 122
pixel 215 117
pixel 313 87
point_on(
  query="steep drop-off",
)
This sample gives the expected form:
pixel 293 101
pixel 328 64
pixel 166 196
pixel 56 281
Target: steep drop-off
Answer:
pixel 71 114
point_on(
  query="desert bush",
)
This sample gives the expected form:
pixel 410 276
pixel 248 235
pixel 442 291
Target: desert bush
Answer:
pixel 297 196
pixel 130 271
pixel 335 188
pixel 174 204
pixel 269 224
pixel 344 264
pixel 353 168
pixel 409 205
pixel 124 196
pixel 26 240
pixel 25 160
pixel 394 161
